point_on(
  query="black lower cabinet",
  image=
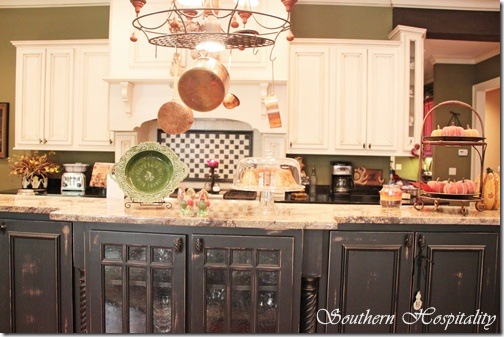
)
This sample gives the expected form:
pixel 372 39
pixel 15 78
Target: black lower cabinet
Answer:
pixel 369 282
pixel 135 282
pixel 35 277
pixel 412 282
pixel 458 281
pixel 242 284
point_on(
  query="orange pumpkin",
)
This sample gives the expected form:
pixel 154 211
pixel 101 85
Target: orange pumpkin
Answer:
pixel 455 187
pixel 452 131
pixel 436 185
pixel 491 189
pixel 471 185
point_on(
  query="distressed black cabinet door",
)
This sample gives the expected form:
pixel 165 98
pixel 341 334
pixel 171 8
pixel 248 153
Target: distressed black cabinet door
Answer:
pixel 35 277
pixel 369 281
pixel 136 282
pixel 242 284
pixel 459 276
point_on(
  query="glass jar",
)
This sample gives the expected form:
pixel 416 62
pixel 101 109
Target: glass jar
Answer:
pixel 391 196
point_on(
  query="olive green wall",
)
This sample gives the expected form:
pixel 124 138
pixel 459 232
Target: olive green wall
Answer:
pixel 44 24
pixel 455 82
pixel 452 82
pixel 488 69
pixel 342 22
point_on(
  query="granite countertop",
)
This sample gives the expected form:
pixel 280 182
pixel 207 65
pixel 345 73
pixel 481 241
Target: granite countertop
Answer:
pixel 238 213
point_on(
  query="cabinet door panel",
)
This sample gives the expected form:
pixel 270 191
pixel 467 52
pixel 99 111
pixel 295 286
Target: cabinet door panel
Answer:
pixel 369 275
pixel 351 97
pixel 59 96
pixel 137 283
pixel 309 103
pixel 30 73
pixel 36 277
pixel 461 278
pixel 242 284
pixel 383 102
pixel 91 108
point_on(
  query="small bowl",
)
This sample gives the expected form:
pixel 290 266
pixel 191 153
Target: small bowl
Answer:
pixel 77 167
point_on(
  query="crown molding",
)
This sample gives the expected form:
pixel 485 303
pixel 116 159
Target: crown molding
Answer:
pixel 51 3
pixel 442 59
pixel 473 5
pixel 470 5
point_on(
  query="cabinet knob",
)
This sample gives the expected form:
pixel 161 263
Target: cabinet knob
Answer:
pixel 369 146
pixel 198 246
pixel 422 242
pixel 110 141
pixel 408 241
pixel 3 226
pixel 177 244
pixel 40 141
pixel 363 145
pixel 45 141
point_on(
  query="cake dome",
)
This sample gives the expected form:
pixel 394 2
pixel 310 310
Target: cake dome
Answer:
pixel 267 174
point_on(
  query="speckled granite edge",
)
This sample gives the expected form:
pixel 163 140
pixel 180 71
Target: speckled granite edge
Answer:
pixel 242 214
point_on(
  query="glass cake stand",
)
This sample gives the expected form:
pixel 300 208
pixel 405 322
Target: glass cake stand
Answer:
pixel 267 175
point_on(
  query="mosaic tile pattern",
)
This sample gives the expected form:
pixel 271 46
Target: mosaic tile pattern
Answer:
pixel 195 147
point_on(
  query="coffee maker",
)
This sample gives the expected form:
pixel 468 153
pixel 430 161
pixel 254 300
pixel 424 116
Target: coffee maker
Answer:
pixel 342 178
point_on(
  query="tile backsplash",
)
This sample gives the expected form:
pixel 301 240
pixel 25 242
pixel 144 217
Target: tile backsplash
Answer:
pixel 195 147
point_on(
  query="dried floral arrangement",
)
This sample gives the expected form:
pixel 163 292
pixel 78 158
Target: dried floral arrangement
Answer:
pixel 34 164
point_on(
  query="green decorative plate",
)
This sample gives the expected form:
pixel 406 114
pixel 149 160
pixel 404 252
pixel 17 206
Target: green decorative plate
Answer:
pixel 149 172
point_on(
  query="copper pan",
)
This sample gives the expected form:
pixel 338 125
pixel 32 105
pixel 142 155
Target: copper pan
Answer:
pixel 204 84
pixel 173 116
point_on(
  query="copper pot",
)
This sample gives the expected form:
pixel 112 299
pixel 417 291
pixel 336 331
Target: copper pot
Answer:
pixel 230 101
pixel 204 84
pixel 173 116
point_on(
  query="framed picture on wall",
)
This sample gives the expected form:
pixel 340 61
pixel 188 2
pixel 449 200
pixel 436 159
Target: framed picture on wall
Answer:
pixel 4 127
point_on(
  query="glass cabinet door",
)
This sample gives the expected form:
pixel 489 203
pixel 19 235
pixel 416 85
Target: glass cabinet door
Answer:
pixel 242 284
pixel 137 282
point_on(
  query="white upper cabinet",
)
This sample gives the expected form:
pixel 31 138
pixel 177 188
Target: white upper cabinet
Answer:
pixel 91 98
pixel 351 97
pixel 44 78
pixel 61 98
pixel 309 106
pixel 412 44
pixel 367 92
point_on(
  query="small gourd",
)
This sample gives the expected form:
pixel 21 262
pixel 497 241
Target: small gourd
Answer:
pixel 455 187
pixel 437 132
pixel 470 132
pixel 452 131
pixel 491 189
pixel 470 185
